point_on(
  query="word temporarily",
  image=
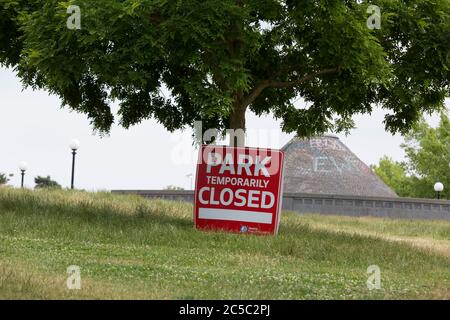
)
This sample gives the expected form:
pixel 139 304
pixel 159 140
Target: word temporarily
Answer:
pixel 240 182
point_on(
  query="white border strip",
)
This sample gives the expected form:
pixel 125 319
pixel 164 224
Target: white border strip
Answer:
pixel 235 215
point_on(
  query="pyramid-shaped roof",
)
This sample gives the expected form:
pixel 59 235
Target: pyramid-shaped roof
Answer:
pixel 324 165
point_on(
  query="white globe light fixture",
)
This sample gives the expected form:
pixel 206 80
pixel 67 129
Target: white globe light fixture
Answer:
pixel 74 146
pixel 438 187
pixel 23 166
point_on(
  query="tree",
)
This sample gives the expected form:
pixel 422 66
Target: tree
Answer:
pixel 3 179
pixel 46 183
pixel 220 58
pixel 394 175
pixel 427 152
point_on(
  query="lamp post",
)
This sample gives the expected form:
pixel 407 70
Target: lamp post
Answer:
pixel 438 187
pixel 23 166
pixel 74 146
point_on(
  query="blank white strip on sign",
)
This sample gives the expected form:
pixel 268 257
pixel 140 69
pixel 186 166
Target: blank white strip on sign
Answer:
pixel 235 215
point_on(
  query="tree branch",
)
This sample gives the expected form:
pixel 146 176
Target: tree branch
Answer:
pixel 289 84
pixel 156 18
pixel 256 92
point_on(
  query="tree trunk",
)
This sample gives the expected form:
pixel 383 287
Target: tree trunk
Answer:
pixel 237 126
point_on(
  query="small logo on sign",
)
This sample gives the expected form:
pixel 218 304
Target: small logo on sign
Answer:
pixel 244 229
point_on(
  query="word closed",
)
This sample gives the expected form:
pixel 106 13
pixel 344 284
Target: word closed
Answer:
pixel 238 189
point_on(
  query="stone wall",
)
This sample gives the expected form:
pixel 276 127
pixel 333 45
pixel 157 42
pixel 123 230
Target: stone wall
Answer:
pixel 404 208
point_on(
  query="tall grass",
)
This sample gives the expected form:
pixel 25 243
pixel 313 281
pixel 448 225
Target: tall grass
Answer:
pixel 129 247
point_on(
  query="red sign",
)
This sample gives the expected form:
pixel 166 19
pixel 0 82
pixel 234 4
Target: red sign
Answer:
pixel 238 189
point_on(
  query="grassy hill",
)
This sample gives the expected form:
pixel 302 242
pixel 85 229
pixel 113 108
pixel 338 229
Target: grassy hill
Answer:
pixel 128 247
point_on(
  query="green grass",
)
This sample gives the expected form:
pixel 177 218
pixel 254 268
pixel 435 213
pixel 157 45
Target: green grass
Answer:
pixel 429 229
pixel 128 247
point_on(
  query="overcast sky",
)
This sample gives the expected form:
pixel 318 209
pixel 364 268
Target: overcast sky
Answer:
pixel 34 128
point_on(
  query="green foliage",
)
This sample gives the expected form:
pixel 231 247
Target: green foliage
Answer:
pixel 394 175
pixel 428 152
pixel 46 183
pixel 428 161
pixel 3 179
pixel 219 58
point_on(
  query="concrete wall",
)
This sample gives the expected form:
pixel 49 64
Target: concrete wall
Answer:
pixel 405 208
